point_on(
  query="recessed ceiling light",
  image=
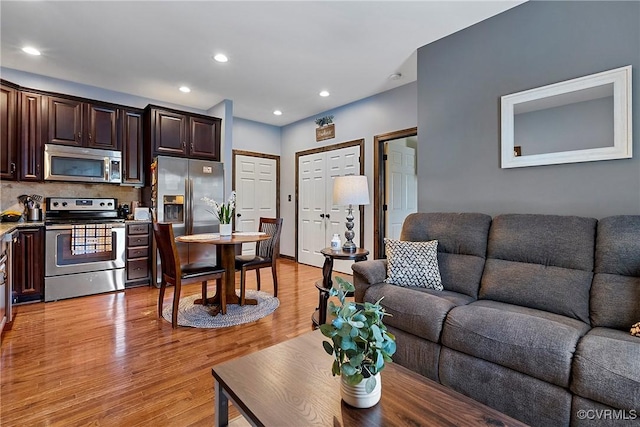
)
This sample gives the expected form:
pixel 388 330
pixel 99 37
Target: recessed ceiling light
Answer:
pixel 221 57
pixel 277 112
pixel 31 50
pixel 324 93
pixel 395 76
pixel 184 89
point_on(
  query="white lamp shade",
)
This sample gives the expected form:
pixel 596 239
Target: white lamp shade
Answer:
pixel 350 190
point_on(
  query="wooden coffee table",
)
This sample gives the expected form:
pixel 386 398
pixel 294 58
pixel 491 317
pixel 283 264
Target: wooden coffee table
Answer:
pixel 290 384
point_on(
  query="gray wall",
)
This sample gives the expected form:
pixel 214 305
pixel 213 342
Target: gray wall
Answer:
pixel 258 137
pixel 461 79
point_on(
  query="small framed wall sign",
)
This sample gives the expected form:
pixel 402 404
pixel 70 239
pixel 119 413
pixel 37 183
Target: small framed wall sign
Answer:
pixel 325 132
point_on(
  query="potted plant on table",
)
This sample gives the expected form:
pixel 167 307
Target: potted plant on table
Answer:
pixel 223 211
pixel 360 345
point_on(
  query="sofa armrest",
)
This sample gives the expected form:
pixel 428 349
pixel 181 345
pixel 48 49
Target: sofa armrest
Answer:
pixel 367 273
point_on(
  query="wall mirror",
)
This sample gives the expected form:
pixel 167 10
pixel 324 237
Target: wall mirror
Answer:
pixel 579 120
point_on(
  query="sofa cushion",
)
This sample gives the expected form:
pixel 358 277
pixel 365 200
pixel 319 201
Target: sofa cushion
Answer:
pixel 606 368
pixel 413 264
pixel 530 400
pixel 615 293
pixel 541 261
pixel 419 311
pixel 462 245
pixel 558 290
pixel 534 342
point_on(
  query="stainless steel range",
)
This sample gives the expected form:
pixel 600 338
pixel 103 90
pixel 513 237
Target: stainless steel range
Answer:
pixel 84 247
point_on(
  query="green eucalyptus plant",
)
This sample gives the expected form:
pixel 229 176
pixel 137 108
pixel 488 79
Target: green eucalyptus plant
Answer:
pixel 360 342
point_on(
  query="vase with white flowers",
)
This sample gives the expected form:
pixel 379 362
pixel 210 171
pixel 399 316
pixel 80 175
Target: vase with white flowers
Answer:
pixel 223 211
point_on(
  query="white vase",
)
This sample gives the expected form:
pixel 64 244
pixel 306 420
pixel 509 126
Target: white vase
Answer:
pixel 357 396
pixel 225 229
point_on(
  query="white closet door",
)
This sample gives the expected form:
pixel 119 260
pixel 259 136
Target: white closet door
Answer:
pixel 256 194
pixel 345 161
pixel 402 186
pixel 318 218
pixel 311 206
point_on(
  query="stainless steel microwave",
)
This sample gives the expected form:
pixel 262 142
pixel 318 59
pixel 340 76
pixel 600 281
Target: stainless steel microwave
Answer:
pixel 79 164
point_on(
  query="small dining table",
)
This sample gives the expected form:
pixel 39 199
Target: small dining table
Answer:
pixel 228 253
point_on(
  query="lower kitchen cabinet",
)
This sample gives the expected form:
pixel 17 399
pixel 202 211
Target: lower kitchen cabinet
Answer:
pixel 28 265
pixel 138 255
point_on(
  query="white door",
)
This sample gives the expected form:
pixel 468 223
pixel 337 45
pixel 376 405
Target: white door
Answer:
pixel 401 186
pixel 256 191
pixel 319 219
pixel 311 207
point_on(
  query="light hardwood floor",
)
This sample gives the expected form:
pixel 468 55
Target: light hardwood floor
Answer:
pixel 109 360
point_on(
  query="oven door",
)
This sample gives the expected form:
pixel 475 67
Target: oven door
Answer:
pixel 70 249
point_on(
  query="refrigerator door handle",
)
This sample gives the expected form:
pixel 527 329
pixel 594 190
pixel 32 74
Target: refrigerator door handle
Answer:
pixel 187 209
pixel 191 195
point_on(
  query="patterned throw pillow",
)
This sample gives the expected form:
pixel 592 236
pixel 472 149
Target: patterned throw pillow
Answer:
pixel 635 329
pixel 413 264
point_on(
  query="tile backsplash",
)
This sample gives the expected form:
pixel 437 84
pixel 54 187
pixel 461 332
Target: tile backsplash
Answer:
pixel 10 190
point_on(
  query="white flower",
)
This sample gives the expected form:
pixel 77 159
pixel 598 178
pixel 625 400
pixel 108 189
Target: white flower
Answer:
pixel 224 211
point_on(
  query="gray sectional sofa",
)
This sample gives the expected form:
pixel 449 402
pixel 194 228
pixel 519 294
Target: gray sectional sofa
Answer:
pixel 534 317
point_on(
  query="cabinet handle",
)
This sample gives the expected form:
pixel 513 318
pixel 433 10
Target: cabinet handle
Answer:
pixel 38 169
pixel 89 136
pixel 13 168
pixel 321 215
pixel 239 215
pixel 78 137
pixel 328 216
pixel 184 145
pixel 192 146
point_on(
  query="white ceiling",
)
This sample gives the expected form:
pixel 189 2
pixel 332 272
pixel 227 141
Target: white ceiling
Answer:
pixel 281 53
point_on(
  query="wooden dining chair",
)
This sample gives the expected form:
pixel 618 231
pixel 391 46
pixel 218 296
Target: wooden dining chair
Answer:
pixel 267 252
pixel 173 272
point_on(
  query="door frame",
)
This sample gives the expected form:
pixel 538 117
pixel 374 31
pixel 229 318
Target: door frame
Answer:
pixel 379 186
pixel 235 153
pixel 323 149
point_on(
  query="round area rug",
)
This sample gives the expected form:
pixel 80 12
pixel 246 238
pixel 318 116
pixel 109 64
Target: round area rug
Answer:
pixel 199 316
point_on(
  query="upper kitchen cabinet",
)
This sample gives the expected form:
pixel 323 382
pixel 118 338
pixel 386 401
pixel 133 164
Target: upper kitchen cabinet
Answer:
pixel 177 133
pixel 32 134
pixel 131 126
pixel 82 124
pixel 8 132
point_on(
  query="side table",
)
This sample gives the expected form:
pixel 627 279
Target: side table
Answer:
pixel 320 315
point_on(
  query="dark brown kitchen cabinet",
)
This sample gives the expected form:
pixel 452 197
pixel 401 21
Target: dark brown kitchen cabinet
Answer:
pixel 131 127
pixel 177 133
pixel 138 255
pixel 28 265
pixel 204 138
pixel 31 136
pixel 8 133
pixel 82 124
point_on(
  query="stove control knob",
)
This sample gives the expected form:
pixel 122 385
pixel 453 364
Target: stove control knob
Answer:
pixel 55 203
pixel 101 203
pixel 64 203
pixel 110 204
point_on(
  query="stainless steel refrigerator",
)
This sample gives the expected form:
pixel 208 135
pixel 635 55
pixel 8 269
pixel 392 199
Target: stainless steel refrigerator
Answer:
pixel 177 188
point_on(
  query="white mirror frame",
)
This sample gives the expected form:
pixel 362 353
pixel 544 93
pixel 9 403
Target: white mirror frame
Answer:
pixel 622 138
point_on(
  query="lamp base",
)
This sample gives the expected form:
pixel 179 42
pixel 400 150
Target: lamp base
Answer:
pixel 349 246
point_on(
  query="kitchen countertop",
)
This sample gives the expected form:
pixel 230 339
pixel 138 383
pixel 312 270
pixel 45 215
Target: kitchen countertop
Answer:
pixel 8 227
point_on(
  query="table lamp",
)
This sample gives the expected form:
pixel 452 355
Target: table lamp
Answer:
pixel 350 190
